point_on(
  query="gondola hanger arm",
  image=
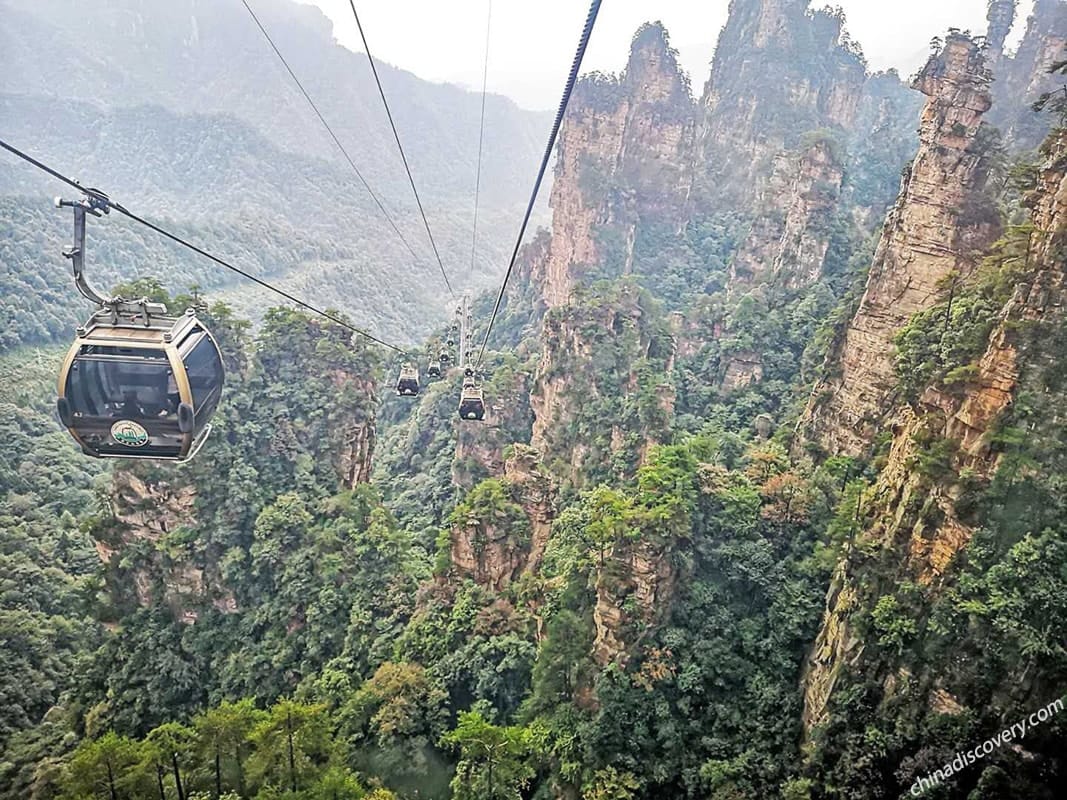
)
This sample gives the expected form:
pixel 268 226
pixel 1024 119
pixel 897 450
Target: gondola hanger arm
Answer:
pixel 97 204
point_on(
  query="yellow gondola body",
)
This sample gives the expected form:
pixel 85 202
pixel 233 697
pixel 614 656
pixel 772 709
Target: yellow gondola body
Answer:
pixel 130 390
pixel 137 382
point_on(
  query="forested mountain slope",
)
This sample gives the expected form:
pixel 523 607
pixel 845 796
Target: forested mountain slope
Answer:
pixel 182 113
pixel 194 57
pixel 766 503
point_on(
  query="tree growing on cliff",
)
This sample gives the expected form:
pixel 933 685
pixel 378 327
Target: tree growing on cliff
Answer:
pixel 1055 102
pixel 494 763
pixel 101 768
pixel 392 722
pixel 222 735
pixel 292 745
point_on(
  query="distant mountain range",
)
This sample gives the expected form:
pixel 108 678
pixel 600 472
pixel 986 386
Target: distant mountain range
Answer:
pixel 181 111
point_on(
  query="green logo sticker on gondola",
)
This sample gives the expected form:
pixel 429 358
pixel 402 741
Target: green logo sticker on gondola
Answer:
pixel 129 434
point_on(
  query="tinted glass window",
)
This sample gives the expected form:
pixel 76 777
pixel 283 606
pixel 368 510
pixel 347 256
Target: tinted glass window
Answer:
pixel 121 383
pixel 204 367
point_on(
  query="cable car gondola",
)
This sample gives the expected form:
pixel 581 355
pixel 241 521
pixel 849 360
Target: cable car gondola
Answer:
pixel 433 369
pixel 471 400
pixel 407 384
pixel 137 382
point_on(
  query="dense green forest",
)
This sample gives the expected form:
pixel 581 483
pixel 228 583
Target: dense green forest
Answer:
pixel 308 616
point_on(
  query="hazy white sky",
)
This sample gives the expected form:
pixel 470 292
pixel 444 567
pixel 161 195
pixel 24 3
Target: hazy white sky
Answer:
pixel 532 43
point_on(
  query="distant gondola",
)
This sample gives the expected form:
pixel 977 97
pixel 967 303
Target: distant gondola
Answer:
pixel 471 401
pixel 407 385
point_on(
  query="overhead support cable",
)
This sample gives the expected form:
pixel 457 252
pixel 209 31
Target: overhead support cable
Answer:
pixel 572 78
pixel 106 201
pixel 400 147
pixel 344 152
pixel 481 140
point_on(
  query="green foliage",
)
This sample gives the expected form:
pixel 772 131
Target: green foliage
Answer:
pixel 895 628
pixel 1054 102
pixel 624 342
pixel 732 641
pixel 232 751
pixel 48 570
pixel 679 268
pixel 488 505
pixel 983 632
pixel 797 789
pixel 102 768
pixel 610 784
pixel 933 458
pixel 938 345
pixel 775 327
pixel 291 747
pixel 563 665
pixel 494 763
pixel 223 738
pixel 392 723
pixel 298 571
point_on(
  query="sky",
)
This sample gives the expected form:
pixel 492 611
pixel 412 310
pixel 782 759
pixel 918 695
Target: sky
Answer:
pixel 532 43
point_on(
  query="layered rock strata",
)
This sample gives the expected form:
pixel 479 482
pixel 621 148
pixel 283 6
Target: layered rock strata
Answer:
pixel 934 234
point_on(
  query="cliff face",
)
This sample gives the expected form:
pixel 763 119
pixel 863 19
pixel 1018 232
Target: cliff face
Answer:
pixel 491 551
pixel 601 392
pixel 880 142
pixel 937 229
pixel 1001 18
pixel 659 126
pixel 147 509
pixel 633 593
pixel 589 142
pixel 622 156
pixel 806 147
pixel 795 138
pixel 1040 297
pixel 779 72
pixel 788 113
pixel 792 144
pixel 623 162
pixel 922 518
pixel 1023 77
pixel 789 238
pixel 355 449
pixel 784 77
